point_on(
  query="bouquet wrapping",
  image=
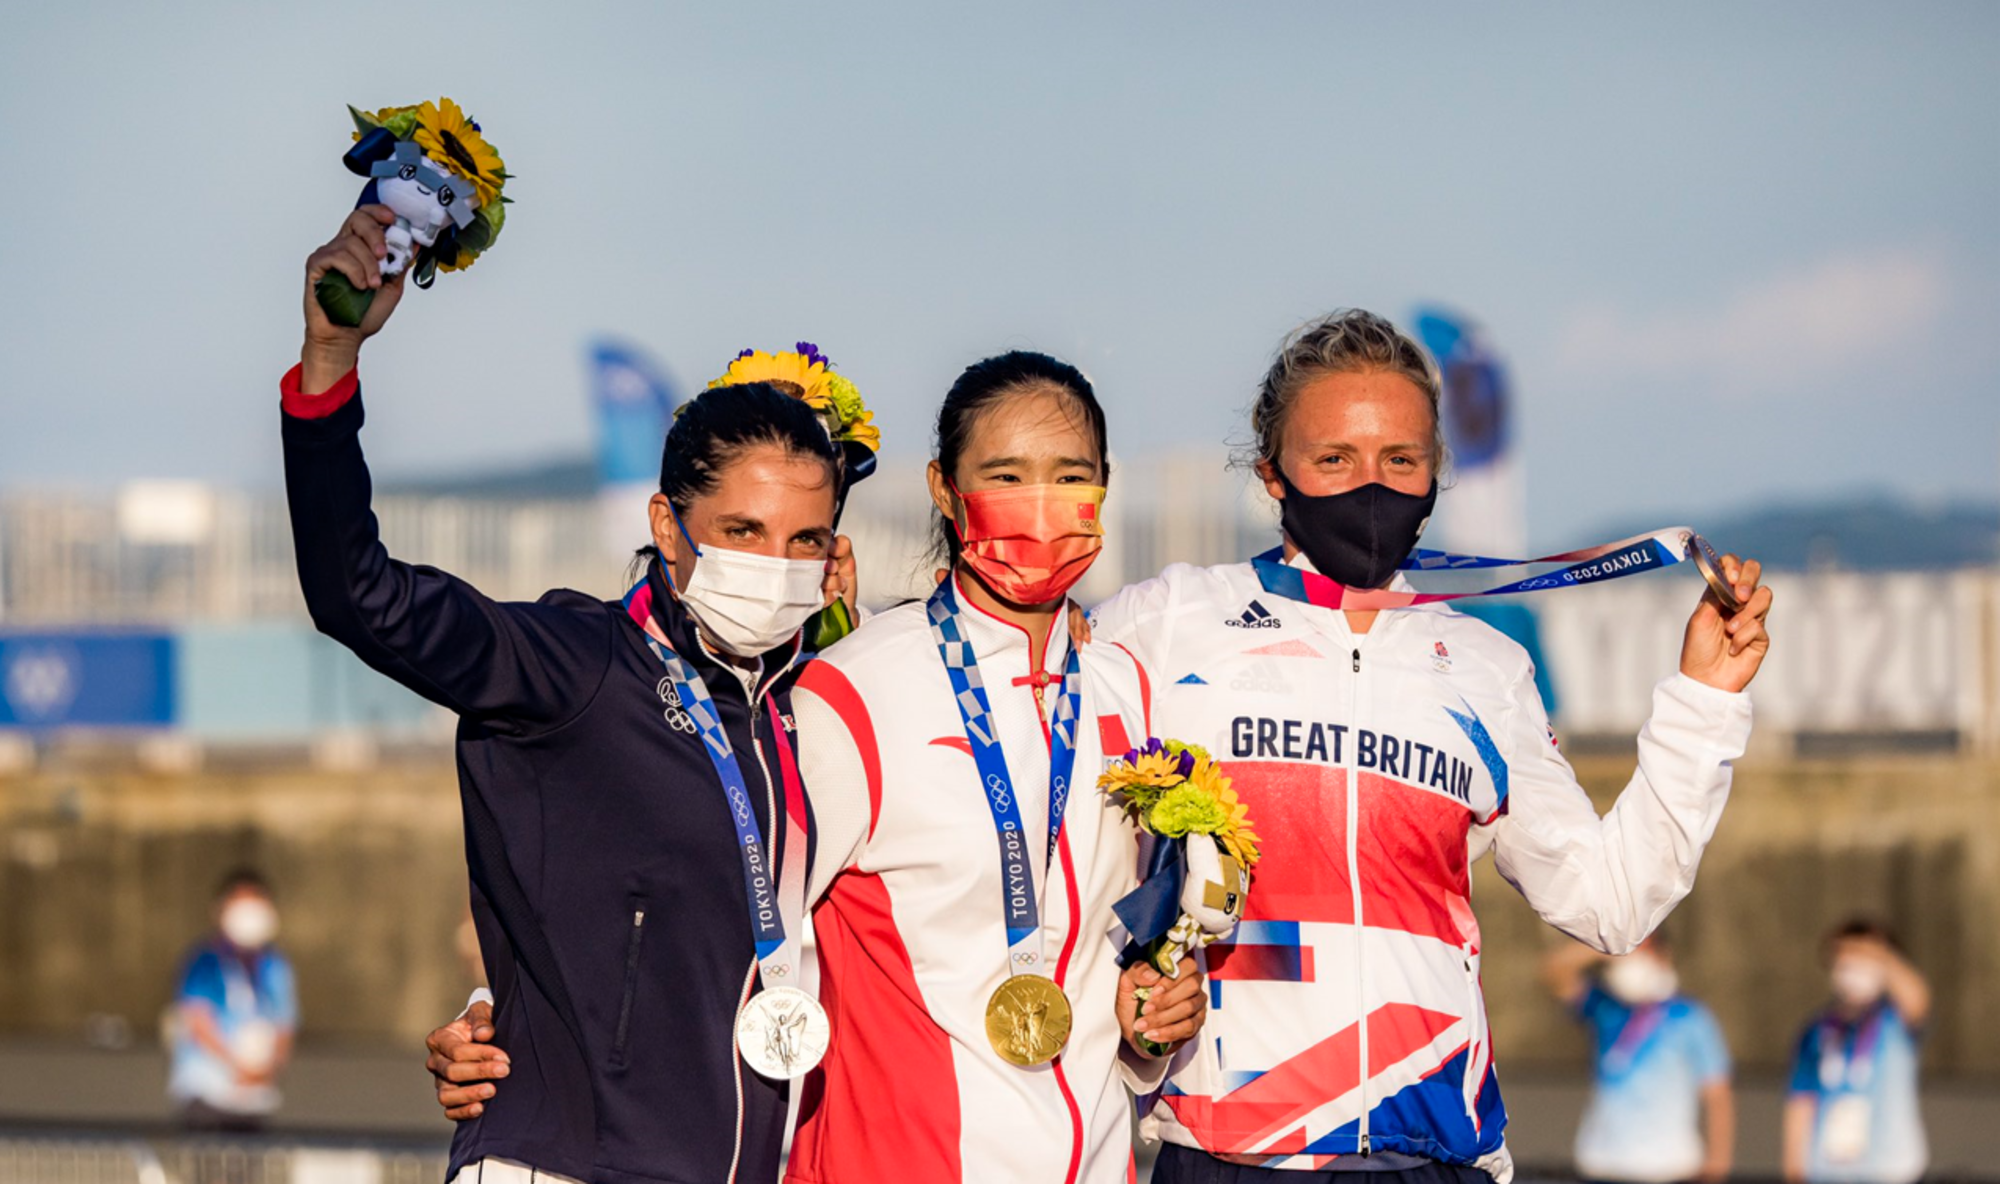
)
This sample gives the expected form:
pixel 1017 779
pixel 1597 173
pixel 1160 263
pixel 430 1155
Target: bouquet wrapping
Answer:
pixel 1197 877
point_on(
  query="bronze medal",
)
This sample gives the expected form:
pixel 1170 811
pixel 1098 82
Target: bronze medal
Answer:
pixel 1708 562
pixel 1028 1020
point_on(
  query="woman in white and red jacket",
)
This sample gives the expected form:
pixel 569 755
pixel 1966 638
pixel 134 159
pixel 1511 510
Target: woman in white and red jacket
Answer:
pixel 913 934
pixel 1379 753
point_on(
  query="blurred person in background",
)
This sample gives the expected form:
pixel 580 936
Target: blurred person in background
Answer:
pixel 1853 1114
pixel 1661 1108
pixel 235 1010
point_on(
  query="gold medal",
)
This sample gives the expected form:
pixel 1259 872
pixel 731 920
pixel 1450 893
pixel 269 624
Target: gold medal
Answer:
pixel 1027 1020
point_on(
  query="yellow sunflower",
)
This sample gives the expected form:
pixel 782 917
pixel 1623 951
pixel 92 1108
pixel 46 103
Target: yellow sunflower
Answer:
pixel 795 374
pixel 452 140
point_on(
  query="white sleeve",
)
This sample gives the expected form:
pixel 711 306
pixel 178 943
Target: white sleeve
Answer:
pixel 836 777
pixel 1140 618
pixel 1609 881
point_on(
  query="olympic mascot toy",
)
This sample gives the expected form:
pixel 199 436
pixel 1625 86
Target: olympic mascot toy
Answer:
pixel 431 165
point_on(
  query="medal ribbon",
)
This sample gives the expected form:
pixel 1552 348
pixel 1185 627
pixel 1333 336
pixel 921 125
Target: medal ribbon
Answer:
pixel 1639 1027
pixel 1592 565
pixel 1019 900
pixel 776 900
pixel 1845 1068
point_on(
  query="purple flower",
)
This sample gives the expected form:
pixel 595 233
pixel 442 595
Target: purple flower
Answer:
pixel 1185 766
pixel 746 353
pixel 812 354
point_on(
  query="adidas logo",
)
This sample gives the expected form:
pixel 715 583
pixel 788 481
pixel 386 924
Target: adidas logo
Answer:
pixel 1255 617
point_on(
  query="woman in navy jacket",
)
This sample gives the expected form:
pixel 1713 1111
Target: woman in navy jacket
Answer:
pixel 607 878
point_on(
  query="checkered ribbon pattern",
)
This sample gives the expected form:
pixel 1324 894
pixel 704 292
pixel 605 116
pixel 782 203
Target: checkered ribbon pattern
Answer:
pixel 1023 913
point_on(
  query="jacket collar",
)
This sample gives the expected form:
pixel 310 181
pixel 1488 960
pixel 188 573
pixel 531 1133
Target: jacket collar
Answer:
pixel 655 598
pixel 1001 641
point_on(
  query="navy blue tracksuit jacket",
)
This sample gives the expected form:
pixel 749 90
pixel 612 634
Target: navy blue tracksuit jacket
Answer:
pixel 606 884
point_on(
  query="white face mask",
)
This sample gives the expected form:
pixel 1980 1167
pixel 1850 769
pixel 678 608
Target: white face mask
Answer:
pixel 749 604
pixel 250 924
pixel 1858 982
pixel 1640 979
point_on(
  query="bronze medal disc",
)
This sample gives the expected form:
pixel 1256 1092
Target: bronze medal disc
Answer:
pixel 1709 563
pixel 1027 1020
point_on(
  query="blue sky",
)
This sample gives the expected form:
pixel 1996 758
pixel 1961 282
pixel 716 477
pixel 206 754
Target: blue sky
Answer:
pixel 1735 253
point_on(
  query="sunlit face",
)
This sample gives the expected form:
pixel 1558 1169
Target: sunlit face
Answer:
pixel 769 501
pixel 1038 436
pixel 1353 429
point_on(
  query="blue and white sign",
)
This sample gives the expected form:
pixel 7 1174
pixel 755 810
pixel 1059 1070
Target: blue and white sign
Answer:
pixel 113 680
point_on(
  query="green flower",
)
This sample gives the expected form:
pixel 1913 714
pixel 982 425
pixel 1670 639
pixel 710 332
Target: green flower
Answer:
pixel 846 399
pixel 1188 809
pixel 1175 748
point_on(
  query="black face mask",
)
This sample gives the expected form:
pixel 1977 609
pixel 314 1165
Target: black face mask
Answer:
pixel 1359 537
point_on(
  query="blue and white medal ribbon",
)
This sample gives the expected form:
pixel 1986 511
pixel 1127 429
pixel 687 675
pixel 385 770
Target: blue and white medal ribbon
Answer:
pixel 1591 565
pixel 1028 1017
pixel 1019 899
pixel 782 1031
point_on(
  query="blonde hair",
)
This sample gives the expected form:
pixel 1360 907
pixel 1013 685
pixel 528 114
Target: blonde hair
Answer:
pixel 1346 341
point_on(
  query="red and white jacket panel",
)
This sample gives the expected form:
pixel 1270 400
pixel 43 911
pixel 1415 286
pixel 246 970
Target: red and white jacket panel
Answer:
pixel 910 935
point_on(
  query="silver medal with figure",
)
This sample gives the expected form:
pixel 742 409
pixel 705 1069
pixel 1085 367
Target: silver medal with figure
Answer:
pixel 782 1033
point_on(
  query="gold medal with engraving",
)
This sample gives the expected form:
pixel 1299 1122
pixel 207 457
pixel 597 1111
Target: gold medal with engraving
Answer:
pixel 1709 563
pixel 1028 1020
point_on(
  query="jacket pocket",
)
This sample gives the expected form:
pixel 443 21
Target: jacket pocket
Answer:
pixel 635 935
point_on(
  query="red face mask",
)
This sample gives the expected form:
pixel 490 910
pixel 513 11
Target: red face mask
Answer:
pixel 1030 543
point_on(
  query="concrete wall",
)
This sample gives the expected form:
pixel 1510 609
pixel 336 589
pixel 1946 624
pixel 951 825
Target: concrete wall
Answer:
pixel 105 876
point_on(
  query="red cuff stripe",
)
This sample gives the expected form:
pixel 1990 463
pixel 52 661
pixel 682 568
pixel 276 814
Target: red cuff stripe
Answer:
pixel 300 405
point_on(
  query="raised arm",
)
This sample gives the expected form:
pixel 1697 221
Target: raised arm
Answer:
pixel 510 664
pixel 1609 881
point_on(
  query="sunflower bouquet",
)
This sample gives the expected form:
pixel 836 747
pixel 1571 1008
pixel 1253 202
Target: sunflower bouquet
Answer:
pixel 807 375
pixel 1197 878
pixel 431 165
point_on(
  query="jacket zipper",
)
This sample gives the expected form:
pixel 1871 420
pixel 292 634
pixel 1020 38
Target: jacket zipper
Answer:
pixel 631 984
pixel 777 823
pixel 1354 888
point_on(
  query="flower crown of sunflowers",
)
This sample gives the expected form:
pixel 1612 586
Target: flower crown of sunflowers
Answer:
pixel 808 376
pixel 454 142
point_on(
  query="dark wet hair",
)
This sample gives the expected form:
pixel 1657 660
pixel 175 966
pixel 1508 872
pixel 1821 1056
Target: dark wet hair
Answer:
pixel 986 383
pixel 240 879
pixel 718 426
pixel 711 432
pixel 1862 927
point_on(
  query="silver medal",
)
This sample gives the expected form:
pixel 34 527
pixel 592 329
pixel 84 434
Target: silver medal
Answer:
pixel 781 1033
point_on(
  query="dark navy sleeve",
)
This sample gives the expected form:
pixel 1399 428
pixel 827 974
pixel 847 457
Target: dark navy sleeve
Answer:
pixel 519 667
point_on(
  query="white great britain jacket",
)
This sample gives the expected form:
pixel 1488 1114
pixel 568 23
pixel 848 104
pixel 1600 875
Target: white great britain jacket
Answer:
pixel 1346 1012
pixel 910 936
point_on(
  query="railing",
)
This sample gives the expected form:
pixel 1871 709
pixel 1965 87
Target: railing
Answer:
pixel 101 1159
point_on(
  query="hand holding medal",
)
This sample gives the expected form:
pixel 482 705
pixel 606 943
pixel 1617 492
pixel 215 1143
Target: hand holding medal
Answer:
pixel 1725 642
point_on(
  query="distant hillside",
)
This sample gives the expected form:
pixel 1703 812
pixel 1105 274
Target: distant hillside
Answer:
pixel 573 478
pixel 1864 533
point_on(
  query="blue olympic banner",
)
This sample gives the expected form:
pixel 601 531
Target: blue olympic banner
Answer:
pixel 78 679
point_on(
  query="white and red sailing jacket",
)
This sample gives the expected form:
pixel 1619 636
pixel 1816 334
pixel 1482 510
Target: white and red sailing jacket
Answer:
pixel 911 937
pixel 1346 1012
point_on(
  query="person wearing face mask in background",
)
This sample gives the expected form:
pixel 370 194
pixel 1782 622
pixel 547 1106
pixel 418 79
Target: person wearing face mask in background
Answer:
pixel 234 1014
pixel 1661 1107
pixel 636 834
pixel 1381 751
pixel 1853 1114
